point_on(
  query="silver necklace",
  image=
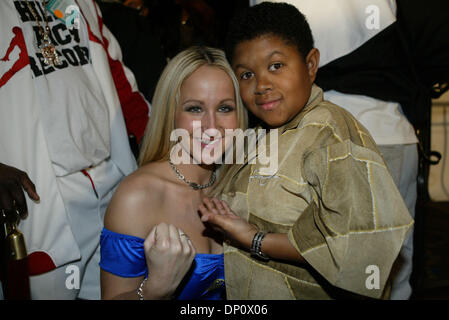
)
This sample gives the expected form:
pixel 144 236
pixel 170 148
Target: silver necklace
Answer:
pixel 193 185
pixel 47 48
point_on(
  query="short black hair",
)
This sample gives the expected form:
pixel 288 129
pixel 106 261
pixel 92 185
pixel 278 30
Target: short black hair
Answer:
pixel 269 18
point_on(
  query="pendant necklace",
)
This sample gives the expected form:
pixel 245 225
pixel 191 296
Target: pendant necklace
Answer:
pixel 47 48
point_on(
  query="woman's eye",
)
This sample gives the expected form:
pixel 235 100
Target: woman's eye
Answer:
pixel 194 109
pixel 226 108
pixel 246 75
pixel 275 66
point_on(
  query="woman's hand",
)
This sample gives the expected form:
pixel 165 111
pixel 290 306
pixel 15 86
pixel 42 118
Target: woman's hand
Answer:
pixel 241 233
pixel 218 214
pixel 169 254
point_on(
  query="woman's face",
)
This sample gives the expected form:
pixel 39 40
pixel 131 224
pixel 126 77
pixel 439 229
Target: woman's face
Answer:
pixel 207 108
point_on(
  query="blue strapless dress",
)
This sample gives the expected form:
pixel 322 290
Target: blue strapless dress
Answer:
pixel 124 256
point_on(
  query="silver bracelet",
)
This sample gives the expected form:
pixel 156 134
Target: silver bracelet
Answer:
pixel 256 246
pixel 140 290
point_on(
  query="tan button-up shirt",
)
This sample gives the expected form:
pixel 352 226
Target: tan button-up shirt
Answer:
pixel 332 194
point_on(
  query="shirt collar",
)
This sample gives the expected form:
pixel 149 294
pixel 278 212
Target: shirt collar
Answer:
pixel 316 96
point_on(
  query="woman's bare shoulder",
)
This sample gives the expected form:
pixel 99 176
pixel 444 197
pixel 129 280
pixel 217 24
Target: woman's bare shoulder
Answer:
pixel 137 202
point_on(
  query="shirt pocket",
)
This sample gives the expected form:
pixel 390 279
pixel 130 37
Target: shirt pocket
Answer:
pixel 277 199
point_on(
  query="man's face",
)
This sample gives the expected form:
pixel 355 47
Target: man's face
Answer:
pixel 275 82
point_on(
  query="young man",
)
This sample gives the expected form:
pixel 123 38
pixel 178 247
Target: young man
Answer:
pixel 354 78
pixel 329 222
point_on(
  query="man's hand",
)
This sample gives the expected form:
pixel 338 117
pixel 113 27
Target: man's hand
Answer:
pixel 218 214
pixel 12 183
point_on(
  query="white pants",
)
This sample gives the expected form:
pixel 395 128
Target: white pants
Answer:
pixel 402 161
pixel 81 279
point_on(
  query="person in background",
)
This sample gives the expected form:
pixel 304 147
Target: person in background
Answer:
pixel 68 105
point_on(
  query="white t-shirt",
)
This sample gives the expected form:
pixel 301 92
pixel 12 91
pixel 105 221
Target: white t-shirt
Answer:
pixel 73 107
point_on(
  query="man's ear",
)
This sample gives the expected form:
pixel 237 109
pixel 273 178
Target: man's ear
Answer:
pixel 312 62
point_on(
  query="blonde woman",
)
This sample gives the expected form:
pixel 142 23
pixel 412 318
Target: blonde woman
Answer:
pixel 154 244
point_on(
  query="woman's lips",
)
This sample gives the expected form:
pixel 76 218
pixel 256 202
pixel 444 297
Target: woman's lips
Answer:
pixel 210 144
pixel 268 106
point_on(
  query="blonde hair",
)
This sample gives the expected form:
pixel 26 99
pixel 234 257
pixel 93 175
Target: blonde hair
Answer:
pixel 156 144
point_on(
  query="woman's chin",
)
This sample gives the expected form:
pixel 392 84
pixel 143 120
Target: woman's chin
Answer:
pixel 210 159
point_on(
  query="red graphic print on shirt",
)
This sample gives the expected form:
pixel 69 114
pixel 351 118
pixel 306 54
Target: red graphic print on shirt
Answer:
pixel 17 41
